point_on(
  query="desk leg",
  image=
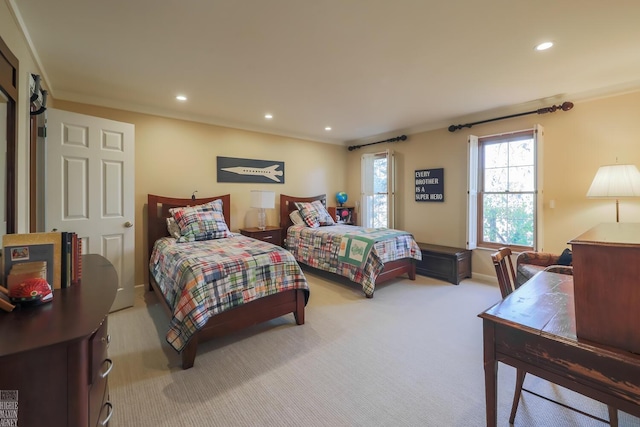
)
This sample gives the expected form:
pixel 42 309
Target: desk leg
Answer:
pixel 490 373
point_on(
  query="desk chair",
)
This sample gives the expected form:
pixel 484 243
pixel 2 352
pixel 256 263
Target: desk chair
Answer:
pixel 507 281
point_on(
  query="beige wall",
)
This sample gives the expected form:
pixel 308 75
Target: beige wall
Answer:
pixel 576 143
pixel 175 157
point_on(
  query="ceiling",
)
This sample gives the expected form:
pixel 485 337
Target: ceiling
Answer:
pixel 366 68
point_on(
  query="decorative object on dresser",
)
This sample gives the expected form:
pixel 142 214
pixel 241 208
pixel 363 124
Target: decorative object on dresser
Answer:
pixel 262 200
pixel 444 262
pixel 54 356
pixel 268 234
pixel 343 215
pixel 58 253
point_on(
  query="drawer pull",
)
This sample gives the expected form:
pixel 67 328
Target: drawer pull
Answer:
pixel 106 420
pixel 268 237
pixel 104 374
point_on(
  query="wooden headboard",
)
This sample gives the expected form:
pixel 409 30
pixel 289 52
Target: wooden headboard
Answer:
pixel 158 212
pixel 287 206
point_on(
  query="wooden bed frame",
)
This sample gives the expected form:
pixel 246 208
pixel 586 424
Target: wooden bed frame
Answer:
pixel 260 310
pixel 391 269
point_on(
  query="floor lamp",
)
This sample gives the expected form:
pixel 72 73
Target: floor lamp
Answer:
pixel 615 182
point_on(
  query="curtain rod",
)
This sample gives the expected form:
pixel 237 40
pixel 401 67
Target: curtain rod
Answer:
pixel 396 139
pixel 566 106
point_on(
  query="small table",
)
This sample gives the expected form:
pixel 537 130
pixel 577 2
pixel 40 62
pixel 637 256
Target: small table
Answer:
pixel 269 234
pixel 534 329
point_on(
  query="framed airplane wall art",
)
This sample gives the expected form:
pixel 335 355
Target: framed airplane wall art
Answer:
pixel 232 169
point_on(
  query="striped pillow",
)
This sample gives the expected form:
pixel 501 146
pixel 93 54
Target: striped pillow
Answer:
pixel 201 222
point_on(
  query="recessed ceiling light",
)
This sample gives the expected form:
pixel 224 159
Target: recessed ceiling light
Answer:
pixel 268 116
pixel 544 46
pixel 327 128
pixel 181 98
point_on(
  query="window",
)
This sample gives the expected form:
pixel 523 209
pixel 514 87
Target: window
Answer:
pixel 505 193
pixel 377 190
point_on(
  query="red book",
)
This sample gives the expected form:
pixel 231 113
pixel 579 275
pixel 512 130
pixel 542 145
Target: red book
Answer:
pixel 79 269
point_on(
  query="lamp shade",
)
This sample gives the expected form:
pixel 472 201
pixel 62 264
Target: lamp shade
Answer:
pixel 263 199
pixel 615 181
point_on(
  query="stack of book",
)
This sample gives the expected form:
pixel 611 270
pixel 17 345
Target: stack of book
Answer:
pixel 71 270
pixel 55 256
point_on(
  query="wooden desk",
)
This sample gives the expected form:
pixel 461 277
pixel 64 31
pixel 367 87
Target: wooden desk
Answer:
pixel 534 329
pixel 55 355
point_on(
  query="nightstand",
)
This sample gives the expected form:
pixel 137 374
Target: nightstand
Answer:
pixel 343 215
pixel 269 234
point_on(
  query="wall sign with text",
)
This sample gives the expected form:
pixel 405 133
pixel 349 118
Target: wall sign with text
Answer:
pixel 430 185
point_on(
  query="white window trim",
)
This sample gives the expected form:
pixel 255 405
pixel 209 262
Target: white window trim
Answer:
pixel 366 191
pixel 472 190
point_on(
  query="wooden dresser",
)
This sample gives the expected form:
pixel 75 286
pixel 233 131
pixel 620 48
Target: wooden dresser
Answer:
pixel 55 355
pixel 606 268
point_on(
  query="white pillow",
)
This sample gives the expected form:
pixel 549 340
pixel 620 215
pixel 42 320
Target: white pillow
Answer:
pixel 173 228
pixel 296 218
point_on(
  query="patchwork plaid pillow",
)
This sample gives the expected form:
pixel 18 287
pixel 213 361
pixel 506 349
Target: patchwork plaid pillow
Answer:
pixel 201 222
pixel 325 218
pixel 314 214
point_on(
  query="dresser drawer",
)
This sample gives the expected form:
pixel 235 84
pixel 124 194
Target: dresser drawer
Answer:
pixel 270 234
pixel 98 344
pixel 98 394
pixel 106 411
pixel 100 368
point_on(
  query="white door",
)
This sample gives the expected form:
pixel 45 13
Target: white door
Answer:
pixel 90 189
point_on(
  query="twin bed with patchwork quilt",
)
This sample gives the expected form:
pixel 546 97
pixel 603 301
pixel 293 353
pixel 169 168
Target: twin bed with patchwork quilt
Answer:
pixel 211 281
pixel 363 255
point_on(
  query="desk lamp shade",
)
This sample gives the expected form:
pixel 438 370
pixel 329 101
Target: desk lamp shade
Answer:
pixel 262 200
pixel 615 182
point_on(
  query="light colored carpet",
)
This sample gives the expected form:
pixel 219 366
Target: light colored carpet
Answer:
pixel 411 356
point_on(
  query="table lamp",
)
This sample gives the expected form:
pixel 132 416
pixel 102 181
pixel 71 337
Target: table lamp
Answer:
pixel 614 182
pixel 262 200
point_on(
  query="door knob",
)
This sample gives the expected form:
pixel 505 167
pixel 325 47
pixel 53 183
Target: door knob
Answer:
pixel 128 224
